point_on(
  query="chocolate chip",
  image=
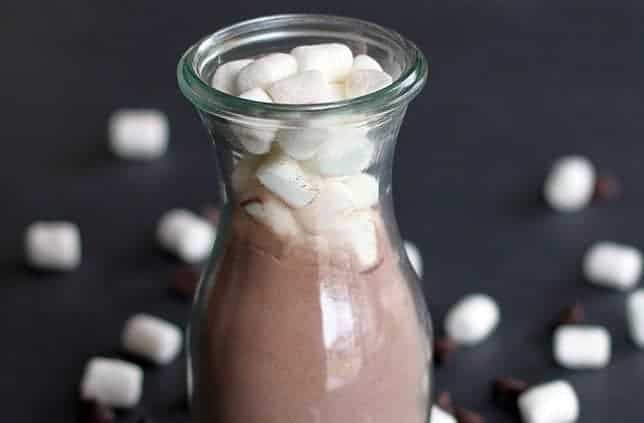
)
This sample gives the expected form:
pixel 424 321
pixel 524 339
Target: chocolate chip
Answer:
pixel 185 281
pixel 571 315
pixel 443 347
pixel 444 401
pixel 468 416
pixel 506 390
pixel 607 187
pixel 97 413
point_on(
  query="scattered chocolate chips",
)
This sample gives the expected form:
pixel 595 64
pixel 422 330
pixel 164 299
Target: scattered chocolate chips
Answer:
pixel 571 315
pixel 97 413
pixel 443 347
pixel 444 401
pixel 185 281
pixel 607 187
pixel 468 416
pixel 506 390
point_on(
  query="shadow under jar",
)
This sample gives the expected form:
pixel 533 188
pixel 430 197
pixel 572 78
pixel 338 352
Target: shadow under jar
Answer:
pixel 309 310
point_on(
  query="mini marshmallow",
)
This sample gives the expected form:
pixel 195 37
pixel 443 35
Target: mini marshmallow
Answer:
pixel 262 72
pixel 472 319
pixel 53 245
pixel 255 139
pixel 358 232
pixel 243 172
pixel 334 202
pixel 334 60
pixel 225 77
pixel 635 315
pixel 364 189
pixel 347 152
pixel 272 213
pixel 111 382
pixel 138 134
pixel 415 258
pixel 302 88
pixel 256 94
pixel 438 415
pixel 301 143
pixel 363 61
pixel 186 234
pixel 336 91
pixel 364 81
pixel 285 178
pixel 582 347
pixel 570 184
pixel 613 265
pixel 553 402
pixel 152 338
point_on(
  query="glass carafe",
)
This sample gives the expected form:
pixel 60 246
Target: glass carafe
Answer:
pixel 309 310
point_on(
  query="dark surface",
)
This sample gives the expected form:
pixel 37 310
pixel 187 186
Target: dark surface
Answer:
pixel 515 84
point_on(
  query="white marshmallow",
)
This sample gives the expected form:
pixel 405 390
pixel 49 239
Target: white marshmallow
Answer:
pixel 553 402
pixel 138 134
pixel 256 94
pixel 363 61
pixel 613 265
pixel 53 245
pixel 337 91
pixel 472 319
pixel 243 173
pixel 186 234
pixel 225 77
pixel 302 88
pixel 334 60
pixel 152 338
pixel 582 347
pixel 415 258
pixel 364 189
pixel 440 416
pixel 285 178
pixel 111 382
pixel 272 213
pixel 264 71
pixel 334 202
pixel 347 152
pixel 358 233
pixel 570 184
pixel 255 139
pixel 364 81
pixel 635 315
pixel 301 143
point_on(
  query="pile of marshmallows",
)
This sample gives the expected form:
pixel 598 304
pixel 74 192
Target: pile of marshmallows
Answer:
pixel 308 180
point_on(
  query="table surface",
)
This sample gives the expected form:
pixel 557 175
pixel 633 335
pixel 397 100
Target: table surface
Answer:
pixel 514 85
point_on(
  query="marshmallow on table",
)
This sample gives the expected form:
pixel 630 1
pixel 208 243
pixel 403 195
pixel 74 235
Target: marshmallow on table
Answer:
pixel 262 72
pixel 152 338
pixel 553 402
pixel 301 143
pixel 334 60
pixel 139 134
pixel 272 213
pixel 334 201
pixel 438 415
pixel 307 87
pixel 613 265
pixel 186 234
pixel 472 319
pixel 415 258
pixel 347 152
pixel 225 77
pixel 635 315
pixel 53 245
pixel 363 61
pixel 582 347
pixel 364 189
pixel 570 184
pixel 365 81
pixel 285 178
pixel 112 382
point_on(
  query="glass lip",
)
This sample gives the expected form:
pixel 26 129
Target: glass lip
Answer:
pixel 211 100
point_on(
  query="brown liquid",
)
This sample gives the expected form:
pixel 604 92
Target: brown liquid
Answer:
pixel 292 333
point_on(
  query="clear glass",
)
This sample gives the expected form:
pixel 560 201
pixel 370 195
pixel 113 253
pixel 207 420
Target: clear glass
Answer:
pixel 309 310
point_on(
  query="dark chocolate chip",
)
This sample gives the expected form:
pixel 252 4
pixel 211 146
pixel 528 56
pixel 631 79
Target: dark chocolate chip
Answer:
pixel 443 347
pixel 468 416
pixel 97 413
pixel 185 281
pixel 506 390
pixel 444 401
pixel 607 187
pixel 571 315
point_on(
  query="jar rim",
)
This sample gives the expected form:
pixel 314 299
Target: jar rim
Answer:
pixel 208 99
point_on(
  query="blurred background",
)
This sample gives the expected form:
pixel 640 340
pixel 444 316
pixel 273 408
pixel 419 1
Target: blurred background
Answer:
pixel 514 85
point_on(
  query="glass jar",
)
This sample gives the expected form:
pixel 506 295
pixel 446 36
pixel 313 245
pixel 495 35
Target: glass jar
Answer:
pixel 309 310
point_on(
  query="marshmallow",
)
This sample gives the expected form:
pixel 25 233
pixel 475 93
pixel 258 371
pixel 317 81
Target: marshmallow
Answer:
pixel 301 143
pixel 186 234
pixel 243 173
pixel 472 319
pixel 363 61
pixel 255 139
pixel 334 202
pixel 440 416
pixel 262 72
pixel 553 402
pixel 582 347
pixel 111 382
pixel 347 152
pixel 302 88
pixel 415 258
pixel 364 81
pixel 53 245
pixel 139 134
pixel 285 178
pixel 272 213
pixel 334 60
pixel 364 189
pixel 256 94
pixel 635 315
pixel 570 184
pixel 225 77
pixel 152 338
pixel 613 265
pixel 336 91
pixel 357 231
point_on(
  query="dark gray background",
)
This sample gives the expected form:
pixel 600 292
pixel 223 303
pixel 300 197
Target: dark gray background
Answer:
pixel 514 85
